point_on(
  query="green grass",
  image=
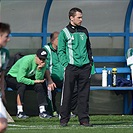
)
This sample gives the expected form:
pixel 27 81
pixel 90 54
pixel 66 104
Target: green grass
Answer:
pixel 102 124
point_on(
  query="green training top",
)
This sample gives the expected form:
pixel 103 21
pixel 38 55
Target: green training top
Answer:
pixel 72 48
pixel 4 58
pixel 25 68
pixel 53 63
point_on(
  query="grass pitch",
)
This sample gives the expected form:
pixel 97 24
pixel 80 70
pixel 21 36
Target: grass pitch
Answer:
pixel 102 124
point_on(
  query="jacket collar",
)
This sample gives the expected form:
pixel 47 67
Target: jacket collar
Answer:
pixel 50 45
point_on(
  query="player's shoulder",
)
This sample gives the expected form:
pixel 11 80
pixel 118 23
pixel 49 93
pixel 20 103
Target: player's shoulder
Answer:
pixel 4 49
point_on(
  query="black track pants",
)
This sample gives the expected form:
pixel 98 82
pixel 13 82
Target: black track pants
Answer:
pixel 39 88
pixel 81 75
pixel 74 97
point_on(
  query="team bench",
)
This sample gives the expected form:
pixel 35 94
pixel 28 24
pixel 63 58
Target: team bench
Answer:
pixel 123 69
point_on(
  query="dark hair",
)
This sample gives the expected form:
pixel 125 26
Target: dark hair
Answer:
pixel 73 11
pixel 4 27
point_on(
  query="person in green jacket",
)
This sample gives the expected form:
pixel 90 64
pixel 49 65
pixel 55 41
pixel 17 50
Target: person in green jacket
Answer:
pixel 75 54
pixel 56 71
pixel 4 58
pixel 28 73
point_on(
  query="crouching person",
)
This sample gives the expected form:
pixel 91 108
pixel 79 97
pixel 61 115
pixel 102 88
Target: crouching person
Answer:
pixel 28 73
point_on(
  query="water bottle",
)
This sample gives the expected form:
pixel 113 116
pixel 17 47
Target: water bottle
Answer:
pixel 109 79
pixel 130 61
pixel 128 77
pixel 114 76
pixel 104 77
pixel 132 73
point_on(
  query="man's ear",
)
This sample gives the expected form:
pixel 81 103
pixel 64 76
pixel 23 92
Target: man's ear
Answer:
pixel 71 18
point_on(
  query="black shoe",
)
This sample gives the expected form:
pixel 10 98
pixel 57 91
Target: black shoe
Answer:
pixel 86 124
pixel 63 124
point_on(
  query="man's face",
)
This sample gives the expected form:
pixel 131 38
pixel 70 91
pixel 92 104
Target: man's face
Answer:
pixel 55 42
pixel 4 38
pixel 77 19
pixel 39 61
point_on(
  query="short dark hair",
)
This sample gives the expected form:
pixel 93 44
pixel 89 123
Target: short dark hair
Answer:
pixel 4 27
pixel 73 11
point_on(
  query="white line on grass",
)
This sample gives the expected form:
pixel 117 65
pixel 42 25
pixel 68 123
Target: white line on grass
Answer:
pixel 24 127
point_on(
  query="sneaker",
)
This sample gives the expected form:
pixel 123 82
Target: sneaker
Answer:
pixel 86 124
pixel 73 115
pixel 55 114
pixel 44 115
pixel 22 115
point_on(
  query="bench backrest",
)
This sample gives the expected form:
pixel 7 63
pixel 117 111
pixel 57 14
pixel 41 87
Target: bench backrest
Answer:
pixel 112 59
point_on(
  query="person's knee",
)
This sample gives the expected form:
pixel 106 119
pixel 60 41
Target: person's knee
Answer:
pixel 21 88
pixel 39 85
pixel 3 125
pixel 39 88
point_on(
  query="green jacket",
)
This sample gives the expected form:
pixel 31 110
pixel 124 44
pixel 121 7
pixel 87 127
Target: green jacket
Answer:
pixel 25 68
pixel 53 63
pixel 4 58
pixel 72 46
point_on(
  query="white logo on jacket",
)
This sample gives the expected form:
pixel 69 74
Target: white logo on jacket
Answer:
pixel 82 37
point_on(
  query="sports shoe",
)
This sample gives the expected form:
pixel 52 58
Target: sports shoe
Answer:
pixel 72 115
pixel 22 115
pixel 55 114
pixel 44 115
pixel 86 124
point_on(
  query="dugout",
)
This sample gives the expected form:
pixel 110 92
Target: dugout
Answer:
pixel 110 25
